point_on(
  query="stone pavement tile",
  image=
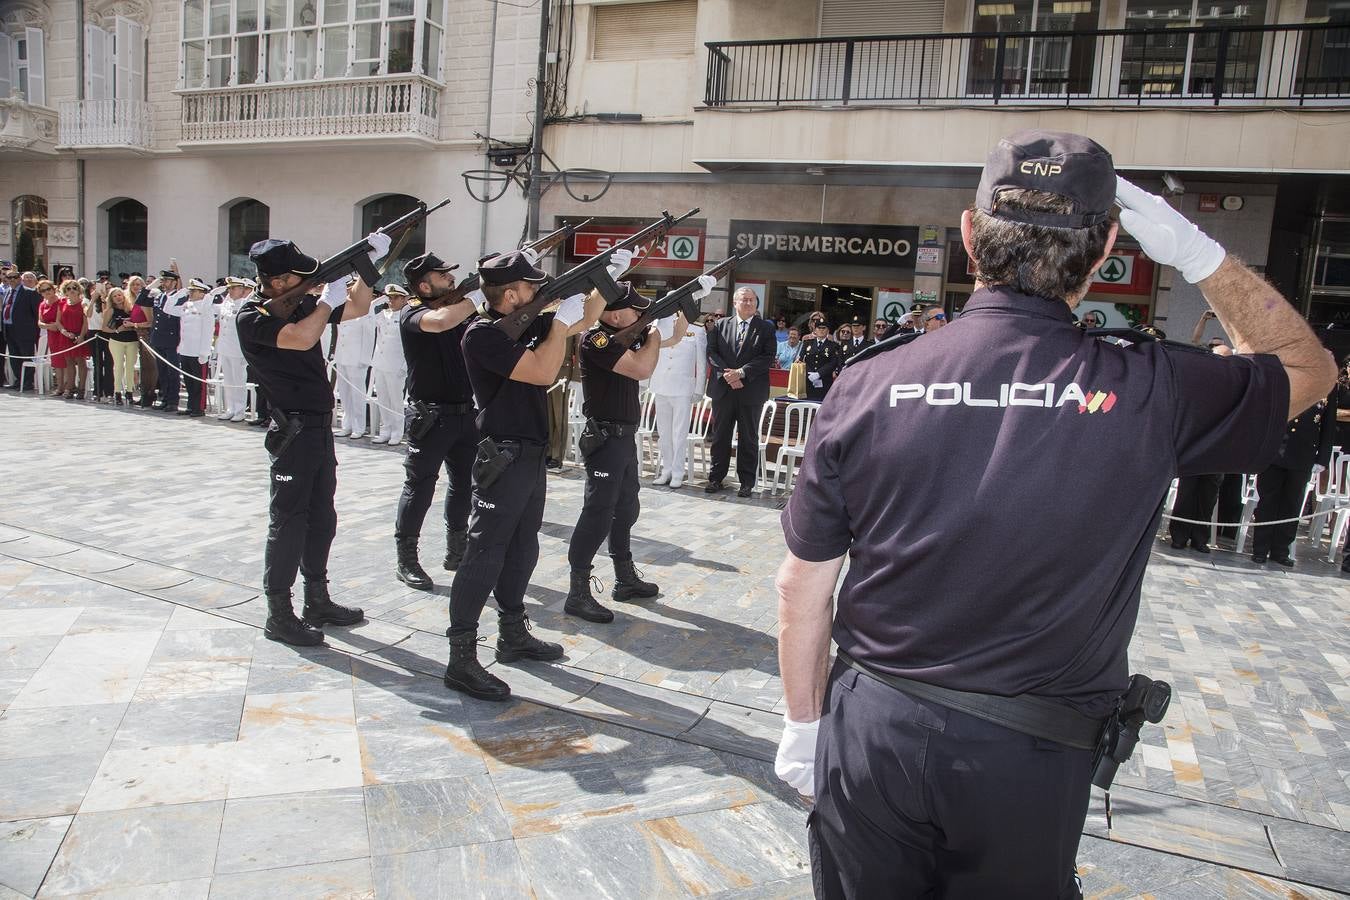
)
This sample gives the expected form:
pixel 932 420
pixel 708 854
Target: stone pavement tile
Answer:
pixel 1310 854
pixel 25 732
pixel 133 614
pixel 1224 836
pixel 29 846
pixel 422 652
pixel 26 652
pixel 146 577
pixel 207 593
pixel 640 706
pixel 549 684
pixel 488 871
pixel 26 622
pixel 391 698
pixel 369 635
pixel 298 712
pixel 127 848
pixel 160 776
pixel 11 682
pixel 210 719
pixel 732 848
pixel 747 732
pixel 191 889
pixel 215 644
pixel 87 669
pixel 790 889
pixel 187 619
pixel 416 752
pixel 277 668
pixel 180 679
pixel 52 784
pixel 430 815
pixel 291 762
pixel 91 561
pixel 347 879
pixel 292 830
pixel 615 862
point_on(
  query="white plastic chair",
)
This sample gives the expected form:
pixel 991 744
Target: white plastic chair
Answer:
pixel 647 446
pixel 700 413
pixel 41 365
pixel 796 432
pixel 767 412
pixel 576 421
pixel 1250 497
pixel 1329 499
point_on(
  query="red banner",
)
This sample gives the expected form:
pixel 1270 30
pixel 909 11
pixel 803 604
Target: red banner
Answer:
pixel 681 249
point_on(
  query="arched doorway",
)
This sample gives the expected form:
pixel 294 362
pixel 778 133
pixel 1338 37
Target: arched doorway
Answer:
pixel 248 221
pixel 128 222
pixel 381 211
pixel 28 218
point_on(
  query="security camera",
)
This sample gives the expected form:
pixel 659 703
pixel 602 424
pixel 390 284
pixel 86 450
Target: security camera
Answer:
pixel 1173 184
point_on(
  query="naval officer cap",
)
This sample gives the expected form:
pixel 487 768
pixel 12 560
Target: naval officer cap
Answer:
pixel 236 281
pixel 418 267
pixel 275 258
pixel 395 290
pixel 507 268
pixel 196 284
pixel 1056 162
pixel 630 299
pixel 168 273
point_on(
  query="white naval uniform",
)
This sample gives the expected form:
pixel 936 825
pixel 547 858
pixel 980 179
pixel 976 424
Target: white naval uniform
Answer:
pixel 679 378
pixel 352 356
pixel 390 373
pixel 233 369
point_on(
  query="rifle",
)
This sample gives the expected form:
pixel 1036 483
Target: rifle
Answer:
pixel 591 274
pixel 354 259
pixel 679 300
pixel 542 246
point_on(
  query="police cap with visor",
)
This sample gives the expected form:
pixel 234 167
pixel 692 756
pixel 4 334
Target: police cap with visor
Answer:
pixel 275 258
pixel 417 268
pixel 629 299
pixel 1056 162
pixel 508 268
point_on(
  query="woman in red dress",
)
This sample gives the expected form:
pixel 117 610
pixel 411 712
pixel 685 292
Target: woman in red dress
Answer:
pixel 73 325
pixel 48 310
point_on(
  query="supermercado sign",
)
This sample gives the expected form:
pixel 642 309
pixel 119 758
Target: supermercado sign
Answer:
pixel 857 245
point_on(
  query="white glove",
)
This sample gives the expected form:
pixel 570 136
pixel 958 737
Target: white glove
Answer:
pixel 571 310
pixel 796 759
pixel 334 293
pixel 814 378
pixel 530 256
pixel 705 285
pixel 479 300
pixel 1166 235
pixel 1318 468
pixel 217 292
pixel 619 262
pixel 379 245
pixel 203 359
pixel 666 327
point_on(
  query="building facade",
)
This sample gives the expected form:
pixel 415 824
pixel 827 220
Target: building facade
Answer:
pixel 133 132
pixel 843 139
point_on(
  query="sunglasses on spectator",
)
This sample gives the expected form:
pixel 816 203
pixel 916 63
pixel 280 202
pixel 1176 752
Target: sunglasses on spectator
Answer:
pixel 939 316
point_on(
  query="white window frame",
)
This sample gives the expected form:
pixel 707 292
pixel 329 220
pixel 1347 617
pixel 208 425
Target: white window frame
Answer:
pixel 30 71
pixel 7 54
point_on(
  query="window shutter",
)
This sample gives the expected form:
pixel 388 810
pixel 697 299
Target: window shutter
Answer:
pixel 37 81
pixel 129 61
pixel 848 18
pixel 881 72
pixel 96 84
pixel 641 30
pixel 6 65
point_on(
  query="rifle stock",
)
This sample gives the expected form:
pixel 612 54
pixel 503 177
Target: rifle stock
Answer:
pixel 679 300
pixel 589 275
pixel 354 259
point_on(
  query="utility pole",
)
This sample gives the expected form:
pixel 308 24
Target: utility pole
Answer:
pixel 537 138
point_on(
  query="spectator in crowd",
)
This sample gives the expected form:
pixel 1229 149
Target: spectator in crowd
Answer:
pixel 879 328
pixel 72 327
pixel 229 355
pixel 47 313
pixel 741 350
pixel 680 375
pixel 196 312
pixel 780 329
pixel 1304 452
pixel 790 349
pixel 100 357
pixel 389 367
pixel 9 283
pixel 125 319
pixel 933 318
pixel 823 361
pixel 140 295
pixel 852 341
pixel 352 357
pixel 843 335
pixel 164 333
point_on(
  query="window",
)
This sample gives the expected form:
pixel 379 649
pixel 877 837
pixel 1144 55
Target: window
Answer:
pixel 380 212
pixel 114 61
pixel 1165 62
pixel 1324 64
pixel 28 216
pixel 249 222
pixel 1051 63
pixel 22 67
pixel 642 30
pixel 127 225
pixel 238 42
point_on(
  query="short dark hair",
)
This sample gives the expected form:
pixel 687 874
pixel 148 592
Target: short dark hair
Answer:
pixel 492 292
pixel 1040 260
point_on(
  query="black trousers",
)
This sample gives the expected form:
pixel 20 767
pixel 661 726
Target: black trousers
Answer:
pixel 1281 493
pixel 1196 495
pixel 451 442
pixel 21 346
pixel 610 506
pixel 1230 504
pixel 168 381
pixel 4 347
pixel 262 409
pixel 917 800
pixel 100 363
pixel 738 411
pixel 503 540
pixel 301 518
pixel 196 386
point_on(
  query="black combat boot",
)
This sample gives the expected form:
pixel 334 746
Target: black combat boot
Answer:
pixel 283 626
pixel 456 542
pixel 627 585
pixel 409 570
pixel 580 603
pixel 514 641
pixel 466 675
pixel 320 610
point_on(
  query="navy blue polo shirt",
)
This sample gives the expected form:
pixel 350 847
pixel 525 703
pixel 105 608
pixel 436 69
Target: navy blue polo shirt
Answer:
pixel 507 409
pixel 1023 465
pixel 436 370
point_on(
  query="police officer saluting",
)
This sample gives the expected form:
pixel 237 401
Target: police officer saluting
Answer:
pixel 510 380
pixel 823 359
pixel 610 372
pixel 285 355
pixel 950 747
pixel 440 420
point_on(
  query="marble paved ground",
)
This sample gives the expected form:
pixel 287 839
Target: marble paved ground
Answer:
pixel 152 744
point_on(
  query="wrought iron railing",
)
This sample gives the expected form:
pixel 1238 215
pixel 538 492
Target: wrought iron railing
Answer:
pixel 389 105
pixel 1270 65
pixel 105 123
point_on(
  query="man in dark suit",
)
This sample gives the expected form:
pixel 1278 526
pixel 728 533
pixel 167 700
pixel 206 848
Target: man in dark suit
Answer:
pixel 857 340
pixel 20 316
pixel 741 350
pixel 1306 449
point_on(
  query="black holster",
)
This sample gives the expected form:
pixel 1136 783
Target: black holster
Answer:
pixel 281 433
pixel 492 460
pixel 593 437
pixel 1145 700
pixel 421 418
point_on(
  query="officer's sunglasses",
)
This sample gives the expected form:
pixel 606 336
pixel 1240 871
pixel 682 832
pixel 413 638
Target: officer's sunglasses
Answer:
pixel 941 317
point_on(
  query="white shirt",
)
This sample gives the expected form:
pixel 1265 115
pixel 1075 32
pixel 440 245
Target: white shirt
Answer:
pixel 388 343
pixel 355 342
pixel 227 342
pixel 198 325
pixel 681 370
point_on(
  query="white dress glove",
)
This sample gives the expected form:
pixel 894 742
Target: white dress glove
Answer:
pixel 619 262
pixel 705 285
pixel 571 310
pixel 814 378
pixel 334 293
pixel 379 245
pixel 530 256
pixel 479 300
pixel 1166 235
pixel 796 759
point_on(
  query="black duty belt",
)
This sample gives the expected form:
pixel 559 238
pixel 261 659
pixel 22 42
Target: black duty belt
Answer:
pixel 450 409
pixel 311 419
pixel 525 443
pixel 1023 713
pixel 614 429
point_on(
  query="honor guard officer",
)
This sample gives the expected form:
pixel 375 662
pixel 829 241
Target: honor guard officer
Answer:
pixel 389 368
pixel 610 373
pixel 164 335
pixel 951 746
pixel 290 366
pixel 440 419
pixel 510 379
pixel 823 359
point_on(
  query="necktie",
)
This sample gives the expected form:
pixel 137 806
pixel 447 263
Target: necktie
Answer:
pixel 740 334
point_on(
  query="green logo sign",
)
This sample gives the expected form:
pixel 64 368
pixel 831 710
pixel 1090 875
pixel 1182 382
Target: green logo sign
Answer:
pixel 1113 270
pixel 894 310
pixel 682 248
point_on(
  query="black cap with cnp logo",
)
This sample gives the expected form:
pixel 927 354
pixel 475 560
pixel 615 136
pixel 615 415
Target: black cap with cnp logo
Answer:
pixel 1056 162
pixel 508 268
pixel 417 268
pixel 630 299
pixel 274 258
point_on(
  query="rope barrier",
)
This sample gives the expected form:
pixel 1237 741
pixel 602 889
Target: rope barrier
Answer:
pixel 212 381
pixel 51 353
pixel 1309 516
pixel 333 370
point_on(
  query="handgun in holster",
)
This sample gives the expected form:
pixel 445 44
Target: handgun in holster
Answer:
pixel 281 433
pixel 593 437
pixel 1145 700
pixel 490 463
pixel 421 420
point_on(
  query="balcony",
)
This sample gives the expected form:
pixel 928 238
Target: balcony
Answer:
pixel 390 109
pixel 1272 66
pixel 26 130
pixel 108 127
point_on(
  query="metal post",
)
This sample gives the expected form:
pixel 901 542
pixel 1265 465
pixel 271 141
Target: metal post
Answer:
pixel 999 51
pixel 1221 64
pixel 848 71
pixel 537 138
